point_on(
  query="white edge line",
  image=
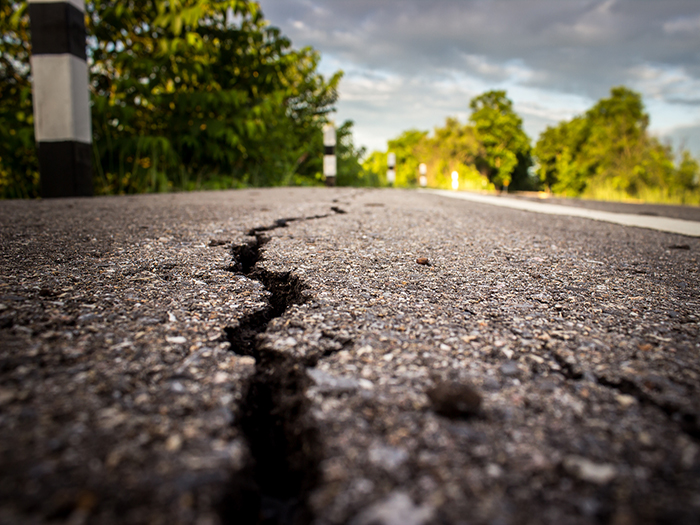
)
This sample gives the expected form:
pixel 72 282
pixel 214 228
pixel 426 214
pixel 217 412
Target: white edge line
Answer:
pixel 664 224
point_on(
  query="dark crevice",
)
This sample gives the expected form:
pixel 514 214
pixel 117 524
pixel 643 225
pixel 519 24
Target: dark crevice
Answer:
pixel 568 370
pixel 284 290
pixel 282 223
pixel 279 223
pixel 687 422
pixel 283 442
pixel 245 256
pixel 274 415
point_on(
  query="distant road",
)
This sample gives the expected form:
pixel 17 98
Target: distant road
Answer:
pixel 684 220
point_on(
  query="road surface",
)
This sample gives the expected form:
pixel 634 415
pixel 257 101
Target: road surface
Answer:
pixel 339 356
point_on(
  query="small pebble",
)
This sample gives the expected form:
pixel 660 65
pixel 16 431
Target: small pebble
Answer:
pixel 509 369
pixel 625 400
pixel 395 509
pixel 453 399
pixel 587 470
pixel 386 457
pixel 423 260
pixel 173 443
pixel 492 384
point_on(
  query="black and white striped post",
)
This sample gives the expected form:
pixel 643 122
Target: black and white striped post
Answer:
pixel 391 172
pixel 423 171
pixel 62 123
pixel 330 164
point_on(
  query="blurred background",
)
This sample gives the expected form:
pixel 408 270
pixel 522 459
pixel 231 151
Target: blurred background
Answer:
pixel 583 98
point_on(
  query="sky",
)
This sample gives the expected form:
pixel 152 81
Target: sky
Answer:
pixel 409 64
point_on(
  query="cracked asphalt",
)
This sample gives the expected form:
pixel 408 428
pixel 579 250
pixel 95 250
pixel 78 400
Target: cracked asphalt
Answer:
pixel 336 356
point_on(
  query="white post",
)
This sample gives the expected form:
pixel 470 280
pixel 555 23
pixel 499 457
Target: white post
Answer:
pixel 391 172
pixel 423 170
pixel 62 122
pixel 330 165
pixel 455 180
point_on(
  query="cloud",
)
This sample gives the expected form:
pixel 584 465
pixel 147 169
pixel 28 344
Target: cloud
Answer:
pixel 582 44
pixel 546 53
pixel 596 26
pixel 671 84
pixel 514 70
pixel 682 25
pixel 684 137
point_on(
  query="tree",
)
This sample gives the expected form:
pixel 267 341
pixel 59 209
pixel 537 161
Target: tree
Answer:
pixel 609 152
pixel 374 168
pixel 186 93
pixel 19 167
pixel 688 172
pixel 557 151
pixel 404 146
pixel 350 172
pixel 204 88
pixel 506 147
pixel 453 147
pixel 616 139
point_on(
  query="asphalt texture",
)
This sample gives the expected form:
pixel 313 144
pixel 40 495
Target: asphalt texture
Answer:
pixel 330 356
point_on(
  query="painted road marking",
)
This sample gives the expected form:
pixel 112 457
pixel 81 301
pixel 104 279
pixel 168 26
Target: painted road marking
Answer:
pixel 664 224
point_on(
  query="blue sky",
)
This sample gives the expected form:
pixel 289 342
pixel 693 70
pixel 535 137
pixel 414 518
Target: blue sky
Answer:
pixel 412 63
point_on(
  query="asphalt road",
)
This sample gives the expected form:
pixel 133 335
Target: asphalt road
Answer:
pixel 339 356
pixel 642 217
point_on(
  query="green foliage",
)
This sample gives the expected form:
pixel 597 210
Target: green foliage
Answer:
pixel 688 175
pixel 185 94
pixel 201 93
pixel 374 169
pixel 505 154
pixel 350 172
pixel 556 151
pixel 19 167
pixel 454 147
pixel 608 153
pixel 489 152
pixel 404 147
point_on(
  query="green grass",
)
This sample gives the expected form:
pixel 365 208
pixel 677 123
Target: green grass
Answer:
pixel 644 195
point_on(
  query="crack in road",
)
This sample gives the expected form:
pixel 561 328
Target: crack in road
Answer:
pixel 282 223
pixel 688 422
pixel 274 416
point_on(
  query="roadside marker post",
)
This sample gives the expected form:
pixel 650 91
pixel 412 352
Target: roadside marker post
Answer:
pixel 330 163
pixel 60 90
pixel 455 180
pixel 423 170
pixel 391 172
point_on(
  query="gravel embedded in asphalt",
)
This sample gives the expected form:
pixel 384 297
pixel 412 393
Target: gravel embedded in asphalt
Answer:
pixel 154 370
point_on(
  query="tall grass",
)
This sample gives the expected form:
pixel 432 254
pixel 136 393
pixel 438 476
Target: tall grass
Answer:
pixel 645 194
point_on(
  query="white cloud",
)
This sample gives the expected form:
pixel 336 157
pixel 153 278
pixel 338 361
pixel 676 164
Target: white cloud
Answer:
pixel 670 84
pixel 596 26
pixel 514 70
pixel 682 25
